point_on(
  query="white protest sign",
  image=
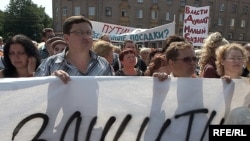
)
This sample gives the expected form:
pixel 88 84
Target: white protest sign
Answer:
pixel 120 33
pixel 115 108
pixel 195 27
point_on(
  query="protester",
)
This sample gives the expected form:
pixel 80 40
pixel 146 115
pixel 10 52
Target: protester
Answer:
pixel 128 61
pixel 170 39
pixel 140 64
pixel 207 58
pixel 105 37
pixel 55 45
pixel 48 43
pixel 21 57
pixel 246 69
pixel 77 59
pixel 230 59
pixel 154 53
pixel 104 49
pixel 58 46
pixel 181 59
pixel 144 55
pixel 157 64
pixel 1 44
pixel 47 33
pixel 240 115
pixel 116 51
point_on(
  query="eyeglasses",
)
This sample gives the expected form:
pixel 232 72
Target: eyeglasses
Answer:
pixel 233 59
pixel 80 32
pixel 189 59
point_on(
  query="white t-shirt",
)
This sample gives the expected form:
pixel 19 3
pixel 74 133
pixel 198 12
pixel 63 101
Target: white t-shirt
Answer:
pixel 240 116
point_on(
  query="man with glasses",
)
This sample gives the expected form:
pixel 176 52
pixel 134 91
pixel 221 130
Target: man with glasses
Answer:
pixel 77 59
pixel 181 59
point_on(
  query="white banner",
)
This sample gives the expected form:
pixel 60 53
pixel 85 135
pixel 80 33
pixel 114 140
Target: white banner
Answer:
pixel 195 27
pixel 120 33
pixel 115 108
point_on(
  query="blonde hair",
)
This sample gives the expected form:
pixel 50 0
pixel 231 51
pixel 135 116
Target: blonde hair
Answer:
pixel 117 49
pixel 222 52
pixel 102 48
pixel 211 43
pixel 142 50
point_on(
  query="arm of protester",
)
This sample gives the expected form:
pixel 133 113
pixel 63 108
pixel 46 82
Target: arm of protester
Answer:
pixel 227 78
pixel 161 76
pixel 31 65
pixel 64 76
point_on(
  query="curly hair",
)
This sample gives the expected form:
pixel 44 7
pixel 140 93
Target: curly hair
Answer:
pixel 222 52
pixel 211 43
pixel 103 48
pixel 155 64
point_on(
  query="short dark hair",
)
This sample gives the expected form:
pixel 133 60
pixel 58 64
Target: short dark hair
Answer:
pixel 170 39
pixel 46 30
pixel 124 52
pixel 172 51
pixel 128 41
pixel 67 25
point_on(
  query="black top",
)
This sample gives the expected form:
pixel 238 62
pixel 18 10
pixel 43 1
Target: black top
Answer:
pixel 121 73
pixel 245 72
pixel 141 65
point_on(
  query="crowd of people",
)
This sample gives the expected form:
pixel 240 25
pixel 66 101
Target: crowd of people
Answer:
pixel 77 54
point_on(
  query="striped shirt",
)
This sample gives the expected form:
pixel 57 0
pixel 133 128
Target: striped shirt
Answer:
pixel 98 66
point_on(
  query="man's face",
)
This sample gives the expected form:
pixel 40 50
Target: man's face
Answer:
pixel 48 36
pixel 185 63
pixel 80 37
pixel 130 46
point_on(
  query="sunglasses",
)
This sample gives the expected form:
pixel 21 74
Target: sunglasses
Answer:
pixel 189 59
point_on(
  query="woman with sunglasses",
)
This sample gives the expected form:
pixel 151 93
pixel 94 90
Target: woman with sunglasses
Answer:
pixel 230 60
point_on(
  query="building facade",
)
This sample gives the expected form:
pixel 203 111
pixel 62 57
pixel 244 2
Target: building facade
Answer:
pixel 230 17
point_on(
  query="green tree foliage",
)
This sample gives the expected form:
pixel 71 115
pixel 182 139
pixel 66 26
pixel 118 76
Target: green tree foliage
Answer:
pixel 24 17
